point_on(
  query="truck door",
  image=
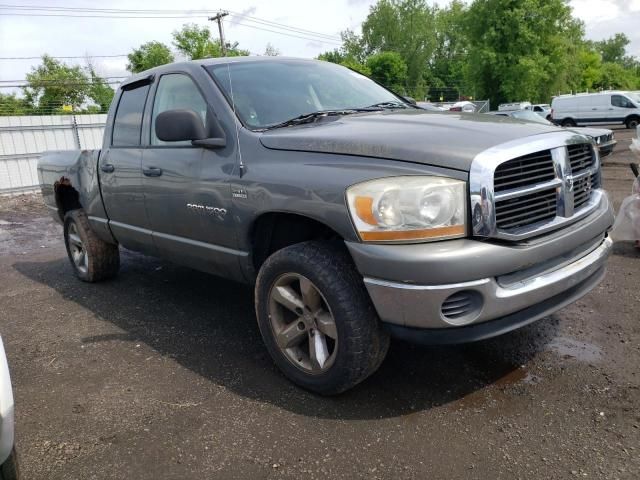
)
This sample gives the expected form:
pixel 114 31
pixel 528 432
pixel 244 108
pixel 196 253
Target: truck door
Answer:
pixel 120 171
pixel 187 190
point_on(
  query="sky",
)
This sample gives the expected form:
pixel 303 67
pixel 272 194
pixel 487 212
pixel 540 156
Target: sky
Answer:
pixel 29 36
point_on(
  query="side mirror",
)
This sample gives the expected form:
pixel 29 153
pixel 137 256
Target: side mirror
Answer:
pixel 410 100
pixel 179 125
pixel 182 124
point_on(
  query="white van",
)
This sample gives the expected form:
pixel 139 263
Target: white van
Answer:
pixel 596 108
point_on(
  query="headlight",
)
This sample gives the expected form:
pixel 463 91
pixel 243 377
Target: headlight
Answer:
pixel 408 209
pixel 598 140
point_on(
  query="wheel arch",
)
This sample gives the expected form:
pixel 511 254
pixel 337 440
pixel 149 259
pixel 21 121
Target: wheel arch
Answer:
pixel 67 198
pixel 272 231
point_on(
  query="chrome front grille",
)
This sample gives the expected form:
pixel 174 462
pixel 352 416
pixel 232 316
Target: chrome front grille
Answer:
pixel 534 187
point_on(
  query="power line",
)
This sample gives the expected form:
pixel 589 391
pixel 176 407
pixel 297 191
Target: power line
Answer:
pixel 140 13
pixel 64 57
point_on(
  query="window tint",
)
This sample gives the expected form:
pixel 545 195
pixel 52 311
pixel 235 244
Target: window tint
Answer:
pixel 265 93
pixel 620 101
pixel 128 122
pixel 176 91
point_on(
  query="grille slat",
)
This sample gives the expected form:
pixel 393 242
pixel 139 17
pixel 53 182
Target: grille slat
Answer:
pixel 527 179
pixel 529 213
pixel 526 206
pixel 523 171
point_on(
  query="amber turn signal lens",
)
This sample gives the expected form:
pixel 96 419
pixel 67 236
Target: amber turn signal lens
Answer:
pixel 423 234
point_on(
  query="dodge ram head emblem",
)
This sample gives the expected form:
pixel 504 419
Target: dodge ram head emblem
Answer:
pixel 208 209
pixel 568 183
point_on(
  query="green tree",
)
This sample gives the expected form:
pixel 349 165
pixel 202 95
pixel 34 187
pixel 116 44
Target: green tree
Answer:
pixel 195 42
pixel 99 91
pixel 448 65
pixel 406 27
pixel 54 84
pixel 149 55
pixel 10 104
pixel 517 49
pixel 389 69
pixel 613 49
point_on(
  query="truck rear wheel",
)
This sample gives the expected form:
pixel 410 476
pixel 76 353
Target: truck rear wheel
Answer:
pixel 568 122
pixel 92 259
pixel 633 122
pixel 316 318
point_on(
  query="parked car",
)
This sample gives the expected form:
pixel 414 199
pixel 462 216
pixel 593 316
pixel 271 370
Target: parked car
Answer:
pixel 596 108
pixel 463 106
pixel 8 462
pixel 542 109
pixel 603 137
pixel 506 107
pixel 354 214
pixel 430 106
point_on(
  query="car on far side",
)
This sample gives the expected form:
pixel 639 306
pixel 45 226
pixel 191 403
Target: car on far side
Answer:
pixel 430 106
pixel 542 109
pixel 463 106
pixel 602 136
pixel 8 463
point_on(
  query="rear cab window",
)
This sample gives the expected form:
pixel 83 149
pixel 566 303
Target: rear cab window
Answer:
pixel 127 125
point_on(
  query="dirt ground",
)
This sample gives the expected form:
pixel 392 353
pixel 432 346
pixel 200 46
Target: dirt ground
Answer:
pixel 161 374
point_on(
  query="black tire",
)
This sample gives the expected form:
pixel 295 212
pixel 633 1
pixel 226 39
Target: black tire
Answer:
pixel 102 258
pixel 9 469
pixel 568 122
pixel 632 122
pixel 362 342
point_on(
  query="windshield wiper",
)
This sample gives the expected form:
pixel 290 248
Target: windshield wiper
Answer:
pixel 389 104
pixel 313 116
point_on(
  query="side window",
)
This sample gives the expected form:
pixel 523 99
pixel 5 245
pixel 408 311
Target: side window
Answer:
pixel 537 109
pixel 176 91
pixel 127 124
pixel 620 101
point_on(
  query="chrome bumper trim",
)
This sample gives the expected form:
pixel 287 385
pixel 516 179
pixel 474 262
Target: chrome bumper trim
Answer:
pixel 419 306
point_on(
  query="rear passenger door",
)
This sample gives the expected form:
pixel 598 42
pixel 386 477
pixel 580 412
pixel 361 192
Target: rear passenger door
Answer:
pixel 120 171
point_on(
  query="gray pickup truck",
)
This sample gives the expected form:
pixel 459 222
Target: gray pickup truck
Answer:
pixel 356 215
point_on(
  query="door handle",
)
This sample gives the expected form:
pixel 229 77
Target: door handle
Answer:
pixel 152 171
pixel 107 168
pixel 594 109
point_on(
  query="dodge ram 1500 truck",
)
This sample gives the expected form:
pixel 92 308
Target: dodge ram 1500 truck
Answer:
pixel 356 215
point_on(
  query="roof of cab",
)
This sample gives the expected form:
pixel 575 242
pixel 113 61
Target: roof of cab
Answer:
pixel 208 61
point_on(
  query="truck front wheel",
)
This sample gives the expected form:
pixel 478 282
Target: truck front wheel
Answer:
pixel 316 318
pixel 92 258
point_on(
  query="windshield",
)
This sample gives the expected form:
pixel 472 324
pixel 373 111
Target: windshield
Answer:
pixel 530 116
pixel 266 93
pixel 635 96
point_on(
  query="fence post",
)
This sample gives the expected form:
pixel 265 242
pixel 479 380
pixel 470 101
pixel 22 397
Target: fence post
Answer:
pixel 76 131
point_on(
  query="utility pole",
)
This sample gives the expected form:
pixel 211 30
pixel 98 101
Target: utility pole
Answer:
pixel 218 18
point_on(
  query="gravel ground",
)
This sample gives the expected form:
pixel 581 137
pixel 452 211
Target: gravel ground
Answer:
pixel 161 374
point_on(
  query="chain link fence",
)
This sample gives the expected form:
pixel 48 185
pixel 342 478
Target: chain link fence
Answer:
pixel 24 138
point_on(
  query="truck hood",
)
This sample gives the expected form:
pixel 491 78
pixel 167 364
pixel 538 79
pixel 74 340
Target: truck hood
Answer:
pixel 449 140
pixel 591 132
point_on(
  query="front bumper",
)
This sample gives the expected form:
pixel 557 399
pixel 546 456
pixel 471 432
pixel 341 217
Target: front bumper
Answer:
pixel 417 289
pixel 6 408
pixel 606 148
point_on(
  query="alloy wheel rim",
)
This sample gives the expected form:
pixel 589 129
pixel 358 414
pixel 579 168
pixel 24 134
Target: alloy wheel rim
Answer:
pixel 76 248
pixel 302 323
